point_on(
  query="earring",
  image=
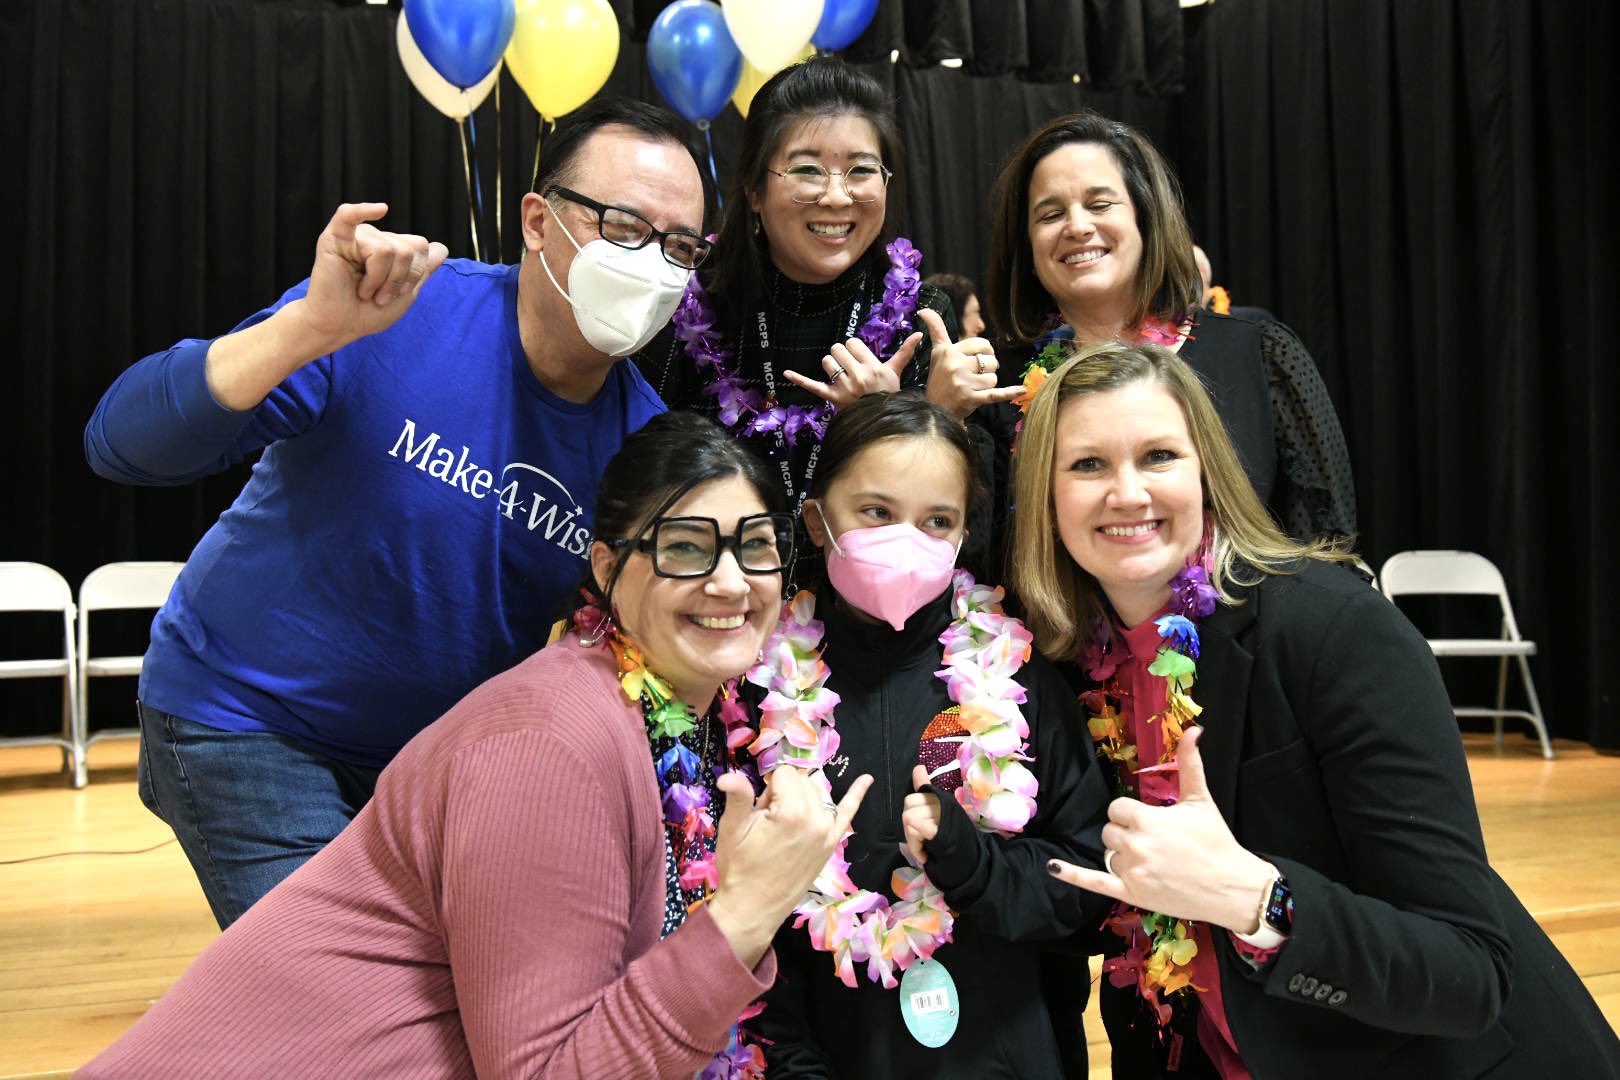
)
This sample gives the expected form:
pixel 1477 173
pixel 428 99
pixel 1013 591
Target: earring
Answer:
pixel 602 629
pixel 757 226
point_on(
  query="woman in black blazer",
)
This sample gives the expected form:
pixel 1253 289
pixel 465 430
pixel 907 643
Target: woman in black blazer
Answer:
pixel 1300 885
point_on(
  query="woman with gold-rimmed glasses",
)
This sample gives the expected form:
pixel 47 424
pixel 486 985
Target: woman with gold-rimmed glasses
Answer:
pixel 808 182
pixel 811 301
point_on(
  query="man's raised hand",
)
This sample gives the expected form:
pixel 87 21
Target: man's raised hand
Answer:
pixel 364 279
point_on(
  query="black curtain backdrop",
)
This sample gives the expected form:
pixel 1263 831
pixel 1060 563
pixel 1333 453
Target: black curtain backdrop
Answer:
pixel 1413 185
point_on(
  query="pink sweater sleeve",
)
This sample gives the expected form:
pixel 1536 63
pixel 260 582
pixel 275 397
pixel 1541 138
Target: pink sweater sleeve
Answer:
pixel 540 873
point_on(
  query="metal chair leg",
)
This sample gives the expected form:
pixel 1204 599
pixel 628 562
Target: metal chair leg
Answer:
pixel 80 735
pixel 1535 709
pixel 1501 697
pixel 70 758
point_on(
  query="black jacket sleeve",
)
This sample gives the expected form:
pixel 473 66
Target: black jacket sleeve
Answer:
pixel 1002 883
pixel 1408 928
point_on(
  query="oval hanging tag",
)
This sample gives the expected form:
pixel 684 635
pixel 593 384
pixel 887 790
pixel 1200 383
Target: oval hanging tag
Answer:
pixel 928 1002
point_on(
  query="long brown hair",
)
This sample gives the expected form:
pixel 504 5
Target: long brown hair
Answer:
pixel 1167 282
pixel 1062 599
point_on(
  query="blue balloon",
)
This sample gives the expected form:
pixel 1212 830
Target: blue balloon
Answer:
pixel 462 39
pixel 842 21
pixel 695 63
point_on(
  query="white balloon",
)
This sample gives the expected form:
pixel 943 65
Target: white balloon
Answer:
pixel 772 33
pixel 448 99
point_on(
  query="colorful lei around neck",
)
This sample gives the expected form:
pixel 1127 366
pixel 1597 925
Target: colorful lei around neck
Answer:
pixel 1057 344
pixel 688 819
pixel 744 408
pixel 1159 949
pixel 984 649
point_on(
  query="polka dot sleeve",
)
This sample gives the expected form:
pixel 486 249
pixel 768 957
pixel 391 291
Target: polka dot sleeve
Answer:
pixel 1315 493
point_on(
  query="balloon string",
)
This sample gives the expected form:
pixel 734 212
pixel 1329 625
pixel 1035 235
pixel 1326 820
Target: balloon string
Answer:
pixel 500 231
pixel 714 174
pixel 539 140
pixel 477 177
pixel 466 168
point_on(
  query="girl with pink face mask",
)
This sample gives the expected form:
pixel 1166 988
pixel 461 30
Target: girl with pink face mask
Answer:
pixel 917 952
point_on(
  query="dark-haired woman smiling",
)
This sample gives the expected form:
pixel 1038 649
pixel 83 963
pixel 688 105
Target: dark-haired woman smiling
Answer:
pixel 1090 245
pixel 810 301
pixel 544 885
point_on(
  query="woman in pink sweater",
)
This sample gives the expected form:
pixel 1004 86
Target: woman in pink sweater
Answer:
pixel 543 884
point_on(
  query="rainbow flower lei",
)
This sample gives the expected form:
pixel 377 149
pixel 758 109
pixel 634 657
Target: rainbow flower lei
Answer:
pixel 984 649
pixel 1159 948
pixel 746 410
pixel 1057 344
pixel 688 818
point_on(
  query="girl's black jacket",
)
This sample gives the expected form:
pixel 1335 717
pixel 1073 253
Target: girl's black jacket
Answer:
pixel 1008 907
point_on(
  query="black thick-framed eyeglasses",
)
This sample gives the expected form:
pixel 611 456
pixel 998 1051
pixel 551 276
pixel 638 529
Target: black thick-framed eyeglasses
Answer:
pixel 687 547
pixel 628 229
pixel 809 182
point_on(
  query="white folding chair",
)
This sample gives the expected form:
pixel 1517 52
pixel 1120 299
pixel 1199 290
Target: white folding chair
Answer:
pixel 27 586
pixel 1464 573
pixel 114 587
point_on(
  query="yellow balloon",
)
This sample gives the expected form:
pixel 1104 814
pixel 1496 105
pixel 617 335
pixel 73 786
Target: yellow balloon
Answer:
pixel 562 51
pixel 753 78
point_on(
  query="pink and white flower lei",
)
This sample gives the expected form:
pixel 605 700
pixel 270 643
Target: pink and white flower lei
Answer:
pixel 984 650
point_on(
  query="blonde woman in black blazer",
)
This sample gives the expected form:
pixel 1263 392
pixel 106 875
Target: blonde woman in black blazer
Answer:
pixel 1319 840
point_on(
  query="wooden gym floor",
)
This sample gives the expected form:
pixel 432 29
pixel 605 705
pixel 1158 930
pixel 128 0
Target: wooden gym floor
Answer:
pixel 88 941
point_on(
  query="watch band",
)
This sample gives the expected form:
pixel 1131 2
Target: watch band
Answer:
pixel 1276 917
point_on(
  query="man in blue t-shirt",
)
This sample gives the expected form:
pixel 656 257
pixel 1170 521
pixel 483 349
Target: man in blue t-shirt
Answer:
pixel 433 433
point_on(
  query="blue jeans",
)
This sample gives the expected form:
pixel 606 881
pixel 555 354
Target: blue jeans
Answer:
pixel 248 807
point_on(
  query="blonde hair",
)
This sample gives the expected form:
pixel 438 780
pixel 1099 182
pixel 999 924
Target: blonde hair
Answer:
pixel 1063 600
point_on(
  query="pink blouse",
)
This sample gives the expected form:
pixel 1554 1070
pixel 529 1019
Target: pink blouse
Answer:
pixel 494 911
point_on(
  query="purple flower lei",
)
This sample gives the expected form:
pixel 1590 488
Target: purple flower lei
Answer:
pixel 747 411
pixel 1192 597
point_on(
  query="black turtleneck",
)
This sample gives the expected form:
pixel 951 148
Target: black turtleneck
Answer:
pixel 802 321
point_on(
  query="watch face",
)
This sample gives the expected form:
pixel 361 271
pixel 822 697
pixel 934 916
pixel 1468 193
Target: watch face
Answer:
pixel 1280 906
